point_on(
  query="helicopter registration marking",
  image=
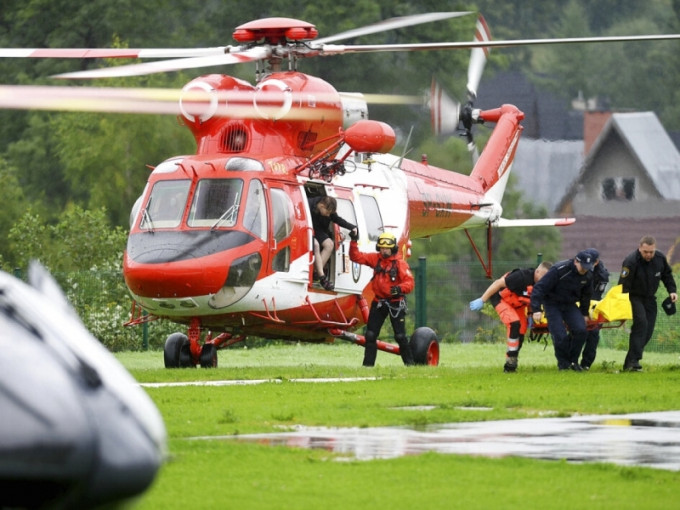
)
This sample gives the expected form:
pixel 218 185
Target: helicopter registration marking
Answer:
pixel 440 205
pixel 277 167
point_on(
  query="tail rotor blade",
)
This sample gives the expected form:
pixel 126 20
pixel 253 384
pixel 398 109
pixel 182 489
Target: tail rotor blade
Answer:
pixel 444 111
pixel 478 58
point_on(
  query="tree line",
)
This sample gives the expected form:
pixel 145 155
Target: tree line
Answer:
pixel 69 180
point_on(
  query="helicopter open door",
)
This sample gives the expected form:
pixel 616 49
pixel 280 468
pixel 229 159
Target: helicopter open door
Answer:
pixel 338 268
pixel 342 270
pixel 290 231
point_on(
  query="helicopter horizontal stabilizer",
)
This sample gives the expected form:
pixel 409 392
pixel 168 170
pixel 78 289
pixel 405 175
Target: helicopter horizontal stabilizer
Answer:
pixel 542 222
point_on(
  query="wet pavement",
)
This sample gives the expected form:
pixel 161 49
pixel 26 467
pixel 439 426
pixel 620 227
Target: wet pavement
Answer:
pixel 641 439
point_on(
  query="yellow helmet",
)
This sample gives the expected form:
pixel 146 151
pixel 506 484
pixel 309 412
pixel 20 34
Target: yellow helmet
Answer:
pixel 387 240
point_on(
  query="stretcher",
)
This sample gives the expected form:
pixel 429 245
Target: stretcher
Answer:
pixel 539 330
pixel 612 311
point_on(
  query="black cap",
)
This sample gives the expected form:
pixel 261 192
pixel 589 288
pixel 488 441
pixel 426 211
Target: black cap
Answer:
pixel 594 253
pixel 586 259
pixel 668 306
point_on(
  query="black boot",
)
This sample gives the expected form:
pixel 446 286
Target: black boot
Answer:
pixel 370 349
pixel 510 361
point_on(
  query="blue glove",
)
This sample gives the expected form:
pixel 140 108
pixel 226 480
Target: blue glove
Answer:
pixel 476 305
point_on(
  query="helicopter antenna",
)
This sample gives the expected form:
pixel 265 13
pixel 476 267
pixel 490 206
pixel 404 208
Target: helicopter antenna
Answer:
pixel 404 152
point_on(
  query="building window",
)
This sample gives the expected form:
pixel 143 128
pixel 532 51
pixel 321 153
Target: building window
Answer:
pixel 618 189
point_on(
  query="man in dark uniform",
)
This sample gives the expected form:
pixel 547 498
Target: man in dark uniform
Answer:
pixel 600 281
pixel 564 285
pixel 510 296
pixel 641 273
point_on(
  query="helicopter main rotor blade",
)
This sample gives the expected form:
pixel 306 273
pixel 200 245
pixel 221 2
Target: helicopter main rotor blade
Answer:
pixel 160 66
pixel 207 57
pixel 236 104
pixel 391 24
pixel 90 99
pixel 81 53
pixel 338 49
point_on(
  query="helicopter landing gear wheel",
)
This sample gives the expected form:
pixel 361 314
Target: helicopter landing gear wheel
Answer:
pixel 185 358
pixel 425 347
pixel 208 357
pixel 172 349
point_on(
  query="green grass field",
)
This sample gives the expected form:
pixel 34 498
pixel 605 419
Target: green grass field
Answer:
pixel 230 474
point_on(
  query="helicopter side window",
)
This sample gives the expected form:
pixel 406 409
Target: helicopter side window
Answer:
pixel 255 215
pixel 346 212
pixel 165 206
pixel 282 214
pixel 216 203
pixel 374 222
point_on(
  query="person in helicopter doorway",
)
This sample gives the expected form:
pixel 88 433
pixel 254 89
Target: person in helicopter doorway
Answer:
pixel 510 295
pixel 323 211
pixel 392 280
pixel 600 281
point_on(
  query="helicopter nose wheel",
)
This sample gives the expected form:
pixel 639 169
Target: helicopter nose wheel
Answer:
pixel 208 358
pixel 177 352
pixel 174 345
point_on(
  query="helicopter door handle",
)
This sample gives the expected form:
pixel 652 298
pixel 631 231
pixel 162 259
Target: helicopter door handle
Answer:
pixel 310 243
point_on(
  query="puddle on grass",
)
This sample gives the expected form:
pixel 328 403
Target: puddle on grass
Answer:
pixel 643 439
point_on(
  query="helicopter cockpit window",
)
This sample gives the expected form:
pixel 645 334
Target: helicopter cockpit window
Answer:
pixel 255 215
pixel 216 203
pixel 165 206
pixel 244 165
pixel 374 223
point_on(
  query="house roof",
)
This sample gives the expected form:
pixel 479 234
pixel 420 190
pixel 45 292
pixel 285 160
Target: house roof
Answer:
pixel 545 170
pixel 648 142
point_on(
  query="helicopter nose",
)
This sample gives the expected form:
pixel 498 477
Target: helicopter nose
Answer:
pixel 181 264
pixel 174 279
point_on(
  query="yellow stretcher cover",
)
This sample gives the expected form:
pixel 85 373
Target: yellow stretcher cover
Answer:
pixel 614 306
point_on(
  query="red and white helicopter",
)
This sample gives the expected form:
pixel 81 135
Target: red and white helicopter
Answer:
pixel 221 240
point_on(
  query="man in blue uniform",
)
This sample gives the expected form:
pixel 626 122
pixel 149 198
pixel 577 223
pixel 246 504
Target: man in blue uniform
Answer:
pixel 600 280
pixel 564 293
pixel 641 273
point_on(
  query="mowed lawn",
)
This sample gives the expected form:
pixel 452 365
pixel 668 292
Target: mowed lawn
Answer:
pixel 468 385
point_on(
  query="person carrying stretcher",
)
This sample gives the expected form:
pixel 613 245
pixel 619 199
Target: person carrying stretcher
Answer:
pixel 510 296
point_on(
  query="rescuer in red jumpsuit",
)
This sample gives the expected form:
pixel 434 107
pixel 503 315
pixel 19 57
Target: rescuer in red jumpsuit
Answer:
pixel 392 280
pixel 510 296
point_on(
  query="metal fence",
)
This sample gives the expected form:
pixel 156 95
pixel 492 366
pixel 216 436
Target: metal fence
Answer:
pixel 450 286
pixel 444 290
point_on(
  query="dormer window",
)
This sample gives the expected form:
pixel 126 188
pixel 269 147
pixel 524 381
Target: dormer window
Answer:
pixel 620 188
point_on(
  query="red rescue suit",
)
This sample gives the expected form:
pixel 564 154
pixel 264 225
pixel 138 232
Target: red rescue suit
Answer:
pixel 387 272
pixel 512 308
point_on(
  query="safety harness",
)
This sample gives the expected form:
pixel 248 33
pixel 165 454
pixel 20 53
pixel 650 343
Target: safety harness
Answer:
pixel 395 306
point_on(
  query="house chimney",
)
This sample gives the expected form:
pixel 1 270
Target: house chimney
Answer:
pixel 593 123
